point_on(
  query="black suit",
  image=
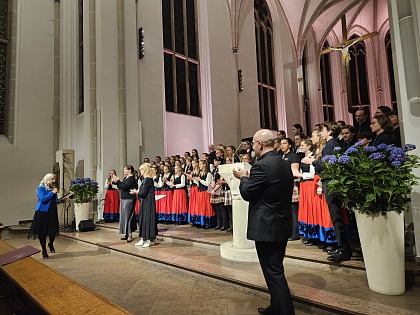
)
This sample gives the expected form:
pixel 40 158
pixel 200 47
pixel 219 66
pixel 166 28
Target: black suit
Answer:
pixel 269 192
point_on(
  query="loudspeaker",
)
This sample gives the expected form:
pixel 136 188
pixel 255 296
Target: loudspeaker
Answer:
pixel 86 225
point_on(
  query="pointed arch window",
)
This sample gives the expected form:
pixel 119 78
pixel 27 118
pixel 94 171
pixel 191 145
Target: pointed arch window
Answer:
pixel 388 48
pixel 359 76
pixel 181 64
pixel 4 60
pixel 327 90
pixel 265 65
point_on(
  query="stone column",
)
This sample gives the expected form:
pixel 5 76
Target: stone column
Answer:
pixel 241 249
pixel 405 35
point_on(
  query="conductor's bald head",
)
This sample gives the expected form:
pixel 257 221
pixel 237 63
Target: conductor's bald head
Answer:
pixel 263 141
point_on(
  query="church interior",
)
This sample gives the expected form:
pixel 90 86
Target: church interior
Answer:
pixel 87 86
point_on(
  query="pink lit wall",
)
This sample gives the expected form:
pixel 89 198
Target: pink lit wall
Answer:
pixel 184 133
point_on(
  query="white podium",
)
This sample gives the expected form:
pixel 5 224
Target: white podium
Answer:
pixel 241 249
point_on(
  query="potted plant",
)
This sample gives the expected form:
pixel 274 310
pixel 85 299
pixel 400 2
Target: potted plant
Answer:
pixel 376 183
pixel 83 191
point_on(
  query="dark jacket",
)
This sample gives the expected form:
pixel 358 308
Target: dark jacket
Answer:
pixel 126 185
pixel 383 137
pixel 269 192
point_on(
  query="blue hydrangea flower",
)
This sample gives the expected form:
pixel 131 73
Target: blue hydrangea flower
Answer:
pixel 332 160
pixel 344 159
pixel 337 149
pixel 351 150
pixel 370 149
pixel 78 180
pixel 378 156
pixel 409 147
pixel 357 144
pixel 396 163
pixel 382 147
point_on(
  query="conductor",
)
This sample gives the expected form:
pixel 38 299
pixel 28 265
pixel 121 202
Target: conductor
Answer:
pixel 269 192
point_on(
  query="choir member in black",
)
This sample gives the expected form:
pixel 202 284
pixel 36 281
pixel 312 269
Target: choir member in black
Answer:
pixel 147 215
pixel 287 147
pixel 382 128
pixel 194 154
pixel 362 122
pixel 128 201
pixel 193 183
pixel 45 221
pixel 205 214
pixel 217 198
pixel 348 137
pixel 231 152
pixel 297 129
pixel 166 206
pixel 393 118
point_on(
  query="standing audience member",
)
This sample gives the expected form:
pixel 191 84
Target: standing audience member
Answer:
pixel 281 134
pixel 45 221
pixel 268 189
pixel 127 219
pixel 147 215
pixel 348 137
pixel 297 129
pixel 366 137
pixel 383 110
pixel 112 199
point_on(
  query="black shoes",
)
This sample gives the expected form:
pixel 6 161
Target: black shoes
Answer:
pixel 217 228
pixel 224 229
pixel 340 256
pixel 230 230
pixel 266 310
pixel 124 238
pixel 51 246
pixel 45 255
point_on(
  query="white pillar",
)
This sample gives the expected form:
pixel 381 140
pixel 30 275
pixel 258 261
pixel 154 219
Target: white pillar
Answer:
pixel 241 249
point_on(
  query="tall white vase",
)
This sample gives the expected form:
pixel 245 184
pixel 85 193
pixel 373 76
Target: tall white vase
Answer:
pixel 81 212
pixel 382 239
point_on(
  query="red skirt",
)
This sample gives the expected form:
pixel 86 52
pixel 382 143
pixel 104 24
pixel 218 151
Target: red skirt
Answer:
pixel 306 202
pixel 179 201
pixel 166 205
pixel 158 202
pixel 112 202
pixel 204 207
pixel 137 208
pixel 193 201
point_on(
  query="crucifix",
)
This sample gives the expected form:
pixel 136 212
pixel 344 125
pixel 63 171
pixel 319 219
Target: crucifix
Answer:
pixel 345 56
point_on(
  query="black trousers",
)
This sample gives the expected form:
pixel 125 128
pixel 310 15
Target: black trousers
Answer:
pixel 221 215
pixel 271 255
pixel 334 207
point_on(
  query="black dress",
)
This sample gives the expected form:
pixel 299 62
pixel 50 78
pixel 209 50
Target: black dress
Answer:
pixel 147 214
pixel 45 223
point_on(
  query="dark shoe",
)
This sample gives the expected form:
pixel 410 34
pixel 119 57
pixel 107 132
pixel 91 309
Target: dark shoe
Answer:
pixel 322 246
pixel 329 248
pixel 266 310
pixel 294 238
pixel 217 228
pixel 224 229
pixel 309 244
pixel 332 251
pixel 124 238
pixel 129 241
pixel 45 255
pixel 340 256
pixel 51 246
pixel 207 227
pixel 230 230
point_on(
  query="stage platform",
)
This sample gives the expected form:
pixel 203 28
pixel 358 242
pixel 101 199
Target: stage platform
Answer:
pixel 317 286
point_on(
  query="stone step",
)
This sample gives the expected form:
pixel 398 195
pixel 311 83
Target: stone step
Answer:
pixel 307 299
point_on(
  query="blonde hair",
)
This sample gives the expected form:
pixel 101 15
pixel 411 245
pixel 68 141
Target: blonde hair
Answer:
pixel 47 178
pixel 147 168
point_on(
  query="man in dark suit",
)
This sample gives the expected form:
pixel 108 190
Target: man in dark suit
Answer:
pixel 269 192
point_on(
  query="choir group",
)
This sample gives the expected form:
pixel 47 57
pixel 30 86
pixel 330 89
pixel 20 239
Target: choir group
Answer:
pixel 188 189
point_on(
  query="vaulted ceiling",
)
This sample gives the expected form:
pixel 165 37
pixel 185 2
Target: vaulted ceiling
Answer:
pixel 324 16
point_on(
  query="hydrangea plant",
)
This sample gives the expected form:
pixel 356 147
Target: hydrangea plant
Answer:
pixel 83 189
pixel 372 179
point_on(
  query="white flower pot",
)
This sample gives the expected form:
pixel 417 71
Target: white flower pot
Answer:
pixel 382 239
pixel 81 212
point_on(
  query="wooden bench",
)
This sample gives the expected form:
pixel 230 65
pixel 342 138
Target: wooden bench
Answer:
pixel 50 292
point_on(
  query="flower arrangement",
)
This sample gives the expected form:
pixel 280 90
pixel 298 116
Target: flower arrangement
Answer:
pixel 83 190
pixel 372 179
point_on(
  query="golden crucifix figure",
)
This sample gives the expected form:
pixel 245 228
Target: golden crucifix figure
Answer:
pixel 344 48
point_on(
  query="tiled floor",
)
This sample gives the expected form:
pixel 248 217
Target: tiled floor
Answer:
pixel 144 287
